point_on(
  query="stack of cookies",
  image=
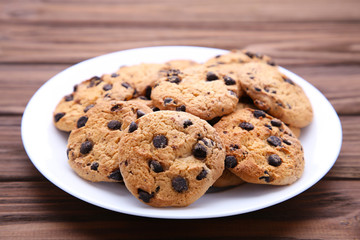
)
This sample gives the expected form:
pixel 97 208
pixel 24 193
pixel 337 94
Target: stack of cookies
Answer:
pixel 171 131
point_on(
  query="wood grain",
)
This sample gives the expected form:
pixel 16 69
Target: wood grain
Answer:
pixel 329 208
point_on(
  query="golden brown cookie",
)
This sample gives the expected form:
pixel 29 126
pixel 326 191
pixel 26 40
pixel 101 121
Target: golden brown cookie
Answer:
pixel 170 158
pixel 260 149
pixel 228 179
pixel 93 149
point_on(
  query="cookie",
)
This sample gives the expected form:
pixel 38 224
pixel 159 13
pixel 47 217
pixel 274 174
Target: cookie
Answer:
pixel 276 94
pixel 239 56
pixel 93 146
pixel 198 91
pixel 181 64
pixel 85 96
pixel 260 149
pixel 228 179
pixel 170 158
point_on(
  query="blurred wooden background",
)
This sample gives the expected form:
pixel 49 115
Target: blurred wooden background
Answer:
pixel 317 39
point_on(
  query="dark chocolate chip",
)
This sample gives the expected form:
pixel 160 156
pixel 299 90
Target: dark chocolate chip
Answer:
pixel 268 126
pixel 114 125
pixel 279 104
pixel 234 146
pixel 139 113
pixel 116 107
pixel 155 166
pixel 274 141
pixel 174 79
pixel 145 196
pixel 148 92
pixel 69 98
pixel 201 175
pixel 187 123
pixel 94 166
pixel 94 81
pixel 167 101
pixel 276 123
pixel 288 80
pixel 274 160
pixel 67 152
pixel 58 116
pixel 107 87
pixel 86 147
pixel 81 121
pixel 217 56
pixel 160 141
pixel 181 108
pixel 252 77
pixel 135 92
pixel 114 75
pixel 287 142
pixel 210 76
pixel 271 63
pixel 133 126
pixel 75 88
pixel 155 109
pixel 229 81
pixel 288 105
pixel 126 85
pixel 199 151
pixel 173 72
pixel 249 54
pixel 88 107
pixel 246 126
pixel 259 113
pixel 266 178
pixel 257 89
pixel 179 184
pixel 144 98
pixel 116 175
pixel 230 162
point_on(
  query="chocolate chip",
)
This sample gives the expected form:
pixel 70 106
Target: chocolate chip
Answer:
pixel 274 141
pixel 139 113
pixel 94 166
pixel 174 79
pixel 114 75
pixel 288 105
pixel 81 121
pixel 268 126
pixel 230 162
pixel 288 80
pixel 287 142
pixel 145 196
pixel 246 126
pixel 217 56
pixel 155 109
pixel 181 108
pixel 86 147
pixel 173 72
pixel 69 98
pixel 259 113
pixel 160 141
pixel 114 125
pixel 88 107
pixel 187 123
pixel 271 63
pixel 276 123
pixel 279 104
pixel 229 81
pixel 249 54
pixel 107 87
pixel 126 85
pixel 233 147
pixel 201 175
pixel 179 184
pixel 144 98
pixel 148 92
pixel 257 89
pixel 94 81
pixel 155 166
pixel 116 107
pixel 210 76
pixel 266 178
pixel 133 126
pixel 167 101
pixel 75 88
pixel 58 116
pixel 116 175
pixel 274 160
pixel 199 151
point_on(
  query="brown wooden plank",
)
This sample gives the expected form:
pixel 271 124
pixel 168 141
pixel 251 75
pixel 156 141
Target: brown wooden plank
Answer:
pixel 24 79
pixel 19 167
pixel 328 210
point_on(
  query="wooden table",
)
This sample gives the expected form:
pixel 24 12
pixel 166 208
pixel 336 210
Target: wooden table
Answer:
pixel 317 39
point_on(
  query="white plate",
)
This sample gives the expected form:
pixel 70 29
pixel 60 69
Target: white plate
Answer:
pixel 46 146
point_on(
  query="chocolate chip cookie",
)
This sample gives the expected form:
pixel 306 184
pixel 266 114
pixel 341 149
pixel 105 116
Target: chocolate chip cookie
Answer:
pixel 260 149
pixel 93 149
pixel 170 158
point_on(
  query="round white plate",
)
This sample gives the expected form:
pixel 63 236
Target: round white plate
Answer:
pixel 46 146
